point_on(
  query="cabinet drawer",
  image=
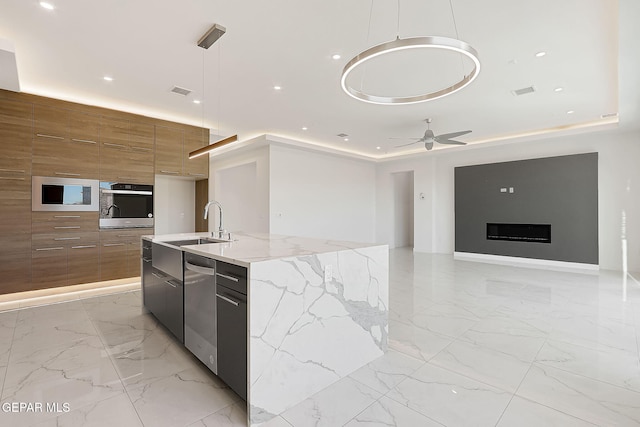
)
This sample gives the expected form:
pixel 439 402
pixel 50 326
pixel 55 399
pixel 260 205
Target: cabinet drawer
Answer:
pixel 232 276
pixel 124 236
pixel 59 222
pixel 65 240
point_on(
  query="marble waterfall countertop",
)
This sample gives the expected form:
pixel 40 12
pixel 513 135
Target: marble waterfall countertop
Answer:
pixel 247 248
pixel 317 310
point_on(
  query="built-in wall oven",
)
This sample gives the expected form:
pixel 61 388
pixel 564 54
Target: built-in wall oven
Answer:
pixel 125 205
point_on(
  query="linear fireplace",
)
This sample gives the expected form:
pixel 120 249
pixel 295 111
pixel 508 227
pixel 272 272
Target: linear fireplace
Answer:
pixel 539 233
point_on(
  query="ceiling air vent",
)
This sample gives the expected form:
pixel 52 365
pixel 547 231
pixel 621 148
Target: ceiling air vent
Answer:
pixel 523 91
pixel 180 90
pixel 608 116
pixel 342 135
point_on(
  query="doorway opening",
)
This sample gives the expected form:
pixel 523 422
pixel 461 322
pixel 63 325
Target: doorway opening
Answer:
pixel 403 209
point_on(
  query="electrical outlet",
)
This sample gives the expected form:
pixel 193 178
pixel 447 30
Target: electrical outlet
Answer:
pixel 328 273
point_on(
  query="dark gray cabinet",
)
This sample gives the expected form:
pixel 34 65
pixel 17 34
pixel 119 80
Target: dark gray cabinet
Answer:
pixel 231 302
pixel 163 294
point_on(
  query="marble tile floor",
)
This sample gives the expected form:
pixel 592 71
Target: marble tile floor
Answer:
pixel 470 344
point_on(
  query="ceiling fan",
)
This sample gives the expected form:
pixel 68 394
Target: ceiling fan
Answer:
pixel 429 138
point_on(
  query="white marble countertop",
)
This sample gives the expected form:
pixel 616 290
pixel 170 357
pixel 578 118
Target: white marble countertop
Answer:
pixel 247 248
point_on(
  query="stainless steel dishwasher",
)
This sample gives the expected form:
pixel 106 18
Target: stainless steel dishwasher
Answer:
pixel 200 324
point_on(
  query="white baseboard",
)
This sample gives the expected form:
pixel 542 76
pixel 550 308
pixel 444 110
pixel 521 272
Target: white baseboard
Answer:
pixel 525 262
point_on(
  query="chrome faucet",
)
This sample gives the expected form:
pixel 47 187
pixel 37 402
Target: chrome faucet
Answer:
pixel 206 214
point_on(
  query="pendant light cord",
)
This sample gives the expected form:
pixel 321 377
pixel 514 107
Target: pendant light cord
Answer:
pixel 453 15
pixel 455 27
pixel 398 23
pixel 367 44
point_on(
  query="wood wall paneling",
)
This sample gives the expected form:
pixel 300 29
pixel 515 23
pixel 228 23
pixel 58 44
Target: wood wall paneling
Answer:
pixel 48 137
pixel 199 167
pixel 169 150
pixel 16 129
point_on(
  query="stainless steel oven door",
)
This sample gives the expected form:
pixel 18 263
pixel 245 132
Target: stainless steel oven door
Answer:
pixel 125 205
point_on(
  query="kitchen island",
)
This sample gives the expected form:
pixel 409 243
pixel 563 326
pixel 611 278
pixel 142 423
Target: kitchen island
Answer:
pixel 317 310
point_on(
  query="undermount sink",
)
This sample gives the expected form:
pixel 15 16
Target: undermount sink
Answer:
pixel 167 256
pixel 199 241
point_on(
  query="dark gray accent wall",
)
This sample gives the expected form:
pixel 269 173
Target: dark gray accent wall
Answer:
pixel 561 191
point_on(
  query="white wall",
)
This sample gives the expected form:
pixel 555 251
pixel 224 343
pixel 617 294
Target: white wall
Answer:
pixel 240 182
pixel 321 195
pixel 236 189
pixel 619 189
pixel 174 203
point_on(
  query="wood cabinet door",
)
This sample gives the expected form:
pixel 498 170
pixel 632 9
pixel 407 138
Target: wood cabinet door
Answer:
pixel 137 167
pixel 168 151
pixel 48 266
pixel 197 168
pixel 113 260
pixel 84 149
pixel 50 123
pixel 16 130
pixel 84 263
pixel 15 203
pixel 15 262
pixel 65 143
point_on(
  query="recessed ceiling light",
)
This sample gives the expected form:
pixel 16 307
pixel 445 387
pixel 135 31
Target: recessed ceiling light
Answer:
pixel 346 139
pixel 377 148
pixel 558 89
pixel 570 112
pixel 305 128
pixel 108 78
pixel 46 5
pixel 541 54
pixel 196 101
pixel 336 56
pixel 277 87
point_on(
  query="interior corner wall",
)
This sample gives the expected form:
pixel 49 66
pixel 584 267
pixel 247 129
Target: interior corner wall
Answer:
pixel 173 205
pixel 618 189
pixel 321 195
pixel 244 172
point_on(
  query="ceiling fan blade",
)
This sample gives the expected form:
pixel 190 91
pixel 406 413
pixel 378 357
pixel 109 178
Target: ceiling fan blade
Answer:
pixel 450 142
pixel 453 134
pixel 404 145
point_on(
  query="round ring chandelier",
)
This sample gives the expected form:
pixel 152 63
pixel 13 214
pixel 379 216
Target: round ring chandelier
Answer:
pixel 428 42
